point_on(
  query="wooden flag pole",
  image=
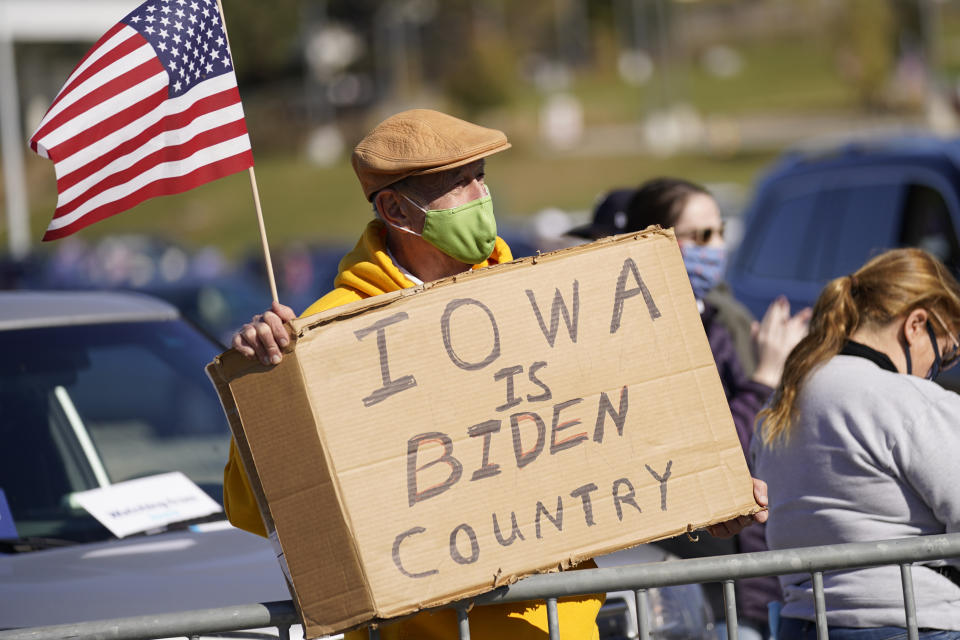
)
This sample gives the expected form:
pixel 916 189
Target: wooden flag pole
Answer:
pixel 253 186
pixel 263 235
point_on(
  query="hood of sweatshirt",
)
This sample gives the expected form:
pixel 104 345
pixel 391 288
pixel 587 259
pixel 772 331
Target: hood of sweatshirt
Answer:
pixel 369 271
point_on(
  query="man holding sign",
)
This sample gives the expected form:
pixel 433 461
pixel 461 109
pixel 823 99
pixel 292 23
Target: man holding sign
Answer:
pixel 424 173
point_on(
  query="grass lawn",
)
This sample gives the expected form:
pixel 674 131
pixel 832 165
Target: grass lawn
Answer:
pixel 792 75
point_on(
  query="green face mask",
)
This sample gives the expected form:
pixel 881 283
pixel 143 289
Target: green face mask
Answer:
pixel 466 233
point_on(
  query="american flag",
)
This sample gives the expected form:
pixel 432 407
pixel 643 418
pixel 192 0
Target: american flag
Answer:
pixel 152 109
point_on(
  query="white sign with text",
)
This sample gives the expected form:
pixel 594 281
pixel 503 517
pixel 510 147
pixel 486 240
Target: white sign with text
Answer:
pixel 147 503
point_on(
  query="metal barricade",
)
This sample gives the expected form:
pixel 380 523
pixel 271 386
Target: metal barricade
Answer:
pixel 550 587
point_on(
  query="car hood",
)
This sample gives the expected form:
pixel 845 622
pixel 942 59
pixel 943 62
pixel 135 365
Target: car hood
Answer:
pixel 209 566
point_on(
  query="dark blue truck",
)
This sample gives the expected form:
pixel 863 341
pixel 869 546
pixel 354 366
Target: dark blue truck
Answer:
pixel 817 216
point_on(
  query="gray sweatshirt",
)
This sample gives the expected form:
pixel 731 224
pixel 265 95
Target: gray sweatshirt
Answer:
pixel 873 455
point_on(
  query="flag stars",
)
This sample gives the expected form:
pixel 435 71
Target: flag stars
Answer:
pixel 188 37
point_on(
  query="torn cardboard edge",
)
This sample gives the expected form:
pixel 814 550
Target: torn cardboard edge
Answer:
pixel 220 373
pixel 216 376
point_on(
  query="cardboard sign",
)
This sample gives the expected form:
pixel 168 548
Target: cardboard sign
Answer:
pixel 146 503
pixel 430 444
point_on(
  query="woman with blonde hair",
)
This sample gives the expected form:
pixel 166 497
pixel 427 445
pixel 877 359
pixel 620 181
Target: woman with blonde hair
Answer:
pixel 859 444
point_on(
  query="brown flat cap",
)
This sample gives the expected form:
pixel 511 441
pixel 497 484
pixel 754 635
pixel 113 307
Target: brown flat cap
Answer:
pixel 420 141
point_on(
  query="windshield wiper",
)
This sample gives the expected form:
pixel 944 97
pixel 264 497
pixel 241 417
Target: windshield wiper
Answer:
pixel 182 524
pixel 39 543
pixel 32 543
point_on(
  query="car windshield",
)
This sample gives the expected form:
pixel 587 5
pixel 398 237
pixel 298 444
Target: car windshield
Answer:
pixel 86 406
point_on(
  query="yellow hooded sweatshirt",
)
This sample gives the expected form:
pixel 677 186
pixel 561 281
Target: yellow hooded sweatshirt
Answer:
pixel 364 272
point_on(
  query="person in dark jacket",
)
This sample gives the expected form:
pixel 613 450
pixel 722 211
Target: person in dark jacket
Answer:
pixel 693 214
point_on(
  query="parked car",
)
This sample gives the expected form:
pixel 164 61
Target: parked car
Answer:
pixel 818 216
pixel 97 388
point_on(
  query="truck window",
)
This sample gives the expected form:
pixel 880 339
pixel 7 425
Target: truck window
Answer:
pixel 863 222
pixel 927 225
pixel 781 251
pixel 816 235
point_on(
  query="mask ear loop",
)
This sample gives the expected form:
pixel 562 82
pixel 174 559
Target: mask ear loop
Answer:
pixel 410 200
pixel 404 229
pixel 935 369
pixel 906 352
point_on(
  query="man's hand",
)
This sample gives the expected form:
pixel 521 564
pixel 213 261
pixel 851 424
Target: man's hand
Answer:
pixel 735 526
pixel 264 336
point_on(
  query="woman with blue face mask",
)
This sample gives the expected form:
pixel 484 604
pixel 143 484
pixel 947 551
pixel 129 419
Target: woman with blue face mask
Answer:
pixel 695 218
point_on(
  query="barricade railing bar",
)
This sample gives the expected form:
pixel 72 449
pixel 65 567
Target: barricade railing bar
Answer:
pixel 549 587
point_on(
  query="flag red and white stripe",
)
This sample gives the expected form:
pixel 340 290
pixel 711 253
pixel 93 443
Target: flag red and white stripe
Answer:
pixel 152 109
